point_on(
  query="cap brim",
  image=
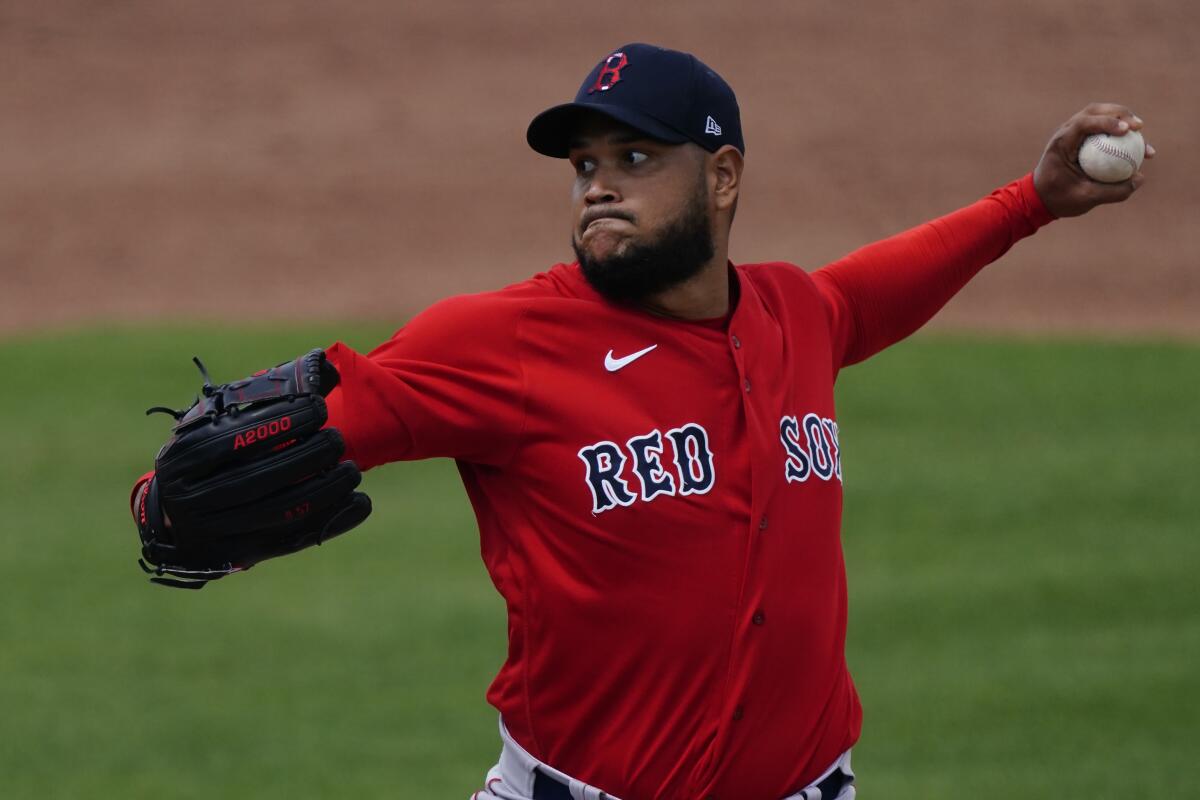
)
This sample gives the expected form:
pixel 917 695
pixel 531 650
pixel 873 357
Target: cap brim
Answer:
pixel 550 132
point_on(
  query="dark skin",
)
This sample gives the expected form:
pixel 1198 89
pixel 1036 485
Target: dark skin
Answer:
pixel 1064 188
pixel 629 187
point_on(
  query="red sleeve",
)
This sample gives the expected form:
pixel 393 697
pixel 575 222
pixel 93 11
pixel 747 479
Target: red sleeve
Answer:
pixel 448 384
pixel 880 294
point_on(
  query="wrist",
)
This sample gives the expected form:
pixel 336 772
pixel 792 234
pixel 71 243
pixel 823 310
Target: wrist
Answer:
pixel 1034 204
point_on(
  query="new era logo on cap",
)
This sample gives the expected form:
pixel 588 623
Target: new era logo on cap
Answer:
pixel 665 94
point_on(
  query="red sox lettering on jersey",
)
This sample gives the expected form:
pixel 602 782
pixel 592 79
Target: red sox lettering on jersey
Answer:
pixel 665 528
pixel 810 448
pixel 692 461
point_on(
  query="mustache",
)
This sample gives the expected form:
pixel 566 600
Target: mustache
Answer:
pixel 602 212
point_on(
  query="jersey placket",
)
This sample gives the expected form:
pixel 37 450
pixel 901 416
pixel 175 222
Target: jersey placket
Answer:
pixel 754 342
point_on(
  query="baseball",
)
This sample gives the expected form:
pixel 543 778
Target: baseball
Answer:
pixel 1112 159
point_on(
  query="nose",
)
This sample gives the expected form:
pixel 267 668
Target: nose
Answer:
pixel 601 190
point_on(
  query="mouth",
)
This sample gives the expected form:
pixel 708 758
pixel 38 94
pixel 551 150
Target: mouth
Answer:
pixel 602 221
pixel 605 221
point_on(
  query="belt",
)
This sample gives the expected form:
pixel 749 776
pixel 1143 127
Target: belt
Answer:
pixel 546 787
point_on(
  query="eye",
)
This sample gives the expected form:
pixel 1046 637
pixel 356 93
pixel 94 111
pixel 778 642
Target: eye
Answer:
pixel 634 157
pixel 584 166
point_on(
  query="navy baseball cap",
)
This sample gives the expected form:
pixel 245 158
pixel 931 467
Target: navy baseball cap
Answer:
pixel 665 94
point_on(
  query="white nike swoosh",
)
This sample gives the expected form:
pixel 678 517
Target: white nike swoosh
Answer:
pixel 613 364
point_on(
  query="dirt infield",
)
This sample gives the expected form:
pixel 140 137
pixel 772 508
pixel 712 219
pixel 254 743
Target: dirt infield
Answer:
pixel 365 159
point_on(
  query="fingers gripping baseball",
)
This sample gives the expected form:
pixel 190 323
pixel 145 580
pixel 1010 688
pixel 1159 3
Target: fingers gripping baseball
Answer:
pixel 1060 179
pixel 1062 182
pixel 249 473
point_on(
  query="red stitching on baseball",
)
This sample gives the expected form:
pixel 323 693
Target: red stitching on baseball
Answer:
pixel 1105 146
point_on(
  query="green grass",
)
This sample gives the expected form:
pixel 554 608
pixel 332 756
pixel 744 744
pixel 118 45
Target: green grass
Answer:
pixel 1021 536
pixel 1021 529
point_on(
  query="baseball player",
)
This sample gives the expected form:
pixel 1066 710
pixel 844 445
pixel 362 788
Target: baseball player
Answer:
pixel 649 440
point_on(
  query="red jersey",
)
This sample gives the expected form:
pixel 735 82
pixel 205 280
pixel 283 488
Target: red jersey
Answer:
pixel 659 501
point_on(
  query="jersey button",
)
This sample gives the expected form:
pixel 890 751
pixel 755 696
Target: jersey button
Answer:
pixel 737 343
pixel 762 523
pixel 747 384
pixel 759 618
pixel 738 713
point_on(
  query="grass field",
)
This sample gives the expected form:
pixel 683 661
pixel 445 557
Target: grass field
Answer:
pixel 1021 532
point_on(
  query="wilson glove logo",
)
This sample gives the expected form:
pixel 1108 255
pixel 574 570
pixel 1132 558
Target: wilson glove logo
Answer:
pixel 264 431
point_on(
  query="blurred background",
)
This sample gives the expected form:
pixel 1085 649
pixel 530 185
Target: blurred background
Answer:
pixel 245 181
pixel 365 159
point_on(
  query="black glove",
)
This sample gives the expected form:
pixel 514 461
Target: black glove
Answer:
pixel 248 474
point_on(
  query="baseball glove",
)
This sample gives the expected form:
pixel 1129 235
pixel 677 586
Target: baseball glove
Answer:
pixel 248 474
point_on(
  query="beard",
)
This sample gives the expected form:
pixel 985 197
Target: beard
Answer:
pixel 644 269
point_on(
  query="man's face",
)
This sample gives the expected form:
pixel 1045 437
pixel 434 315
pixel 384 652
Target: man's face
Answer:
pixel 641 212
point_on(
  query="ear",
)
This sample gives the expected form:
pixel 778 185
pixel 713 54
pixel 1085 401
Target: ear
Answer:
pixel 725 176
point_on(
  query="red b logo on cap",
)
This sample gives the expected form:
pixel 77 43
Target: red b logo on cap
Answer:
pixel 610 72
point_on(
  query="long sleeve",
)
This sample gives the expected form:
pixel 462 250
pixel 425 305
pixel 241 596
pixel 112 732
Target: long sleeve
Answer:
pixel 449 384
pixel 885 291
